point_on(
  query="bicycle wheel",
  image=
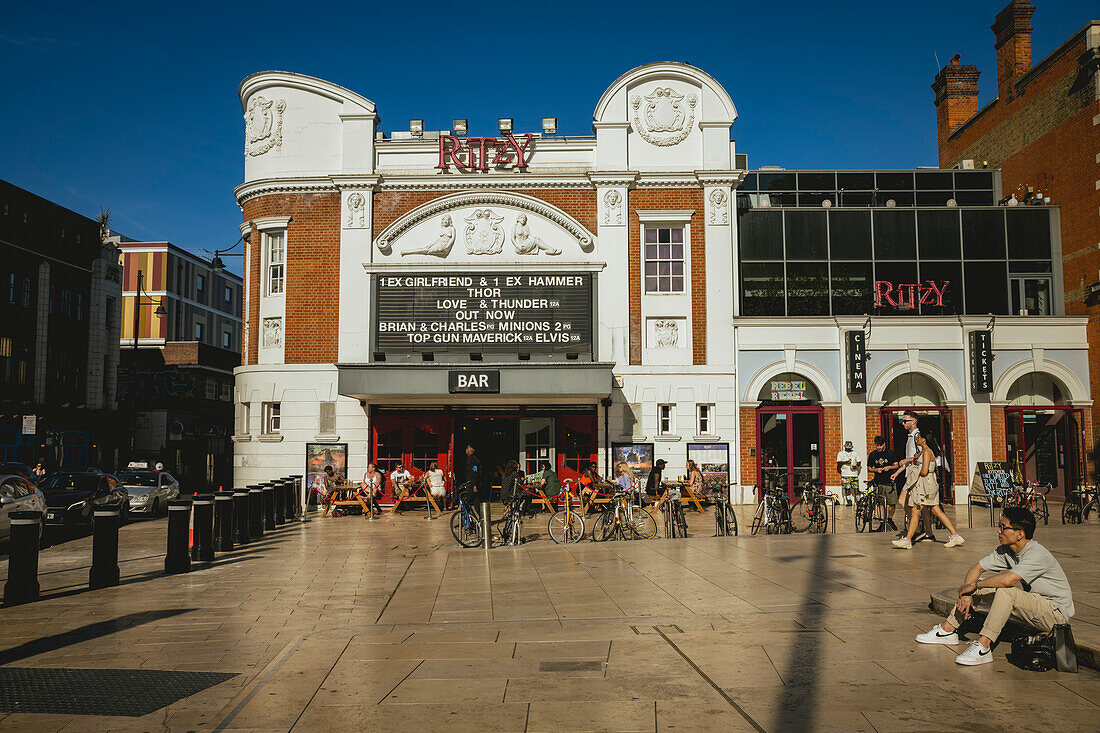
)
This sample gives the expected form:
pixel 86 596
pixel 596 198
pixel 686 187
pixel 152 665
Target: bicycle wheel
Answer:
pixel 1071 510
pixel 861 515
pixel 801 517
pixel 757 519
pixel 1040 508
pixel 603 526
pixel 466 528
pixel 729 517
pixel 565 528
pixel 877 519
pixel 679 522
pixel 643 525
pixel 1089 515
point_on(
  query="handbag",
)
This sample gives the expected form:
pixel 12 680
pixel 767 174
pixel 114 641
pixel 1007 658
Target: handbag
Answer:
pixel 1033 653
pixel 1065 650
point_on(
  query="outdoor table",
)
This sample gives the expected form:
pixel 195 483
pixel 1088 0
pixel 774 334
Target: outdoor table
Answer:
pixel 686 495
pixel 356 498
pixel 601 493
pixel 409 493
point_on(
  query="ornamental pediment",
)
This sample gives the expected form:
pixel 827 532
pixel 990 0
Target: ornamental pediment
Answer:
pixel 484 227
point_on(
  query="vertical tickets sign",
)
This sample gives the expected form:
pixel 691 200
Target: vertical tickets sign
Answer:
pixel 485 312
pixel 857 362
pixel 981 362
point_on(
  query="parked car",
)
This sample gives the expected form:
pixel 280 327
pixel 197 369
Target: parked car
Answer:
pixel 149 491
pixel 72 496
pixel 18 469
pixel 17 494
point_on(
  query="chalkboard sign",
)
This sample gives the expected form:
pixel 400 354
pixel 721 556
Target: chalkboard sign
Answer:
pixel 996 477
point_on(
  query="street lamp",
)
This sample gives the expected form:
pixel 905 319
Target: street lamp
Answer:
pixel 160 312
pixel 216 263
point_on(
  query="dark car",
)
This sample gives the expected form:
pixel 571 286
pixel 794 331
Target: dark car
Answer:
pixel 72 496
pixel 12 468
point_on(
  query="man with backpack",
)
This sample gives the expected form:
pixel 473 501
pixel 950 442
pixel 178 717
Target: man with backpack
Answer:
pixel 1028 585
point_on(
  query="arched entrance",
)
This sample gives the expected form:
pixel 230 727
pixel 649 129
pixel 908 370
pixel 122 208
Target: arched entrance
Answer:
pixel 920 394
pixel 1043 434
pixel 789 432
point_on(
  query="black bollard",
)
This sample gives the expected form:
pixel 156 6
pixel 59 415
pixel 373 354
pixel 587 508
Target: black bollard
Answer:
pixel 269 507
pixel 240 517
pixel 202 548
pixel 104 572
pixel 280 502
pixel 178 559
pixel 293 494
pixel 255 512
pixel 22 585
pixel 223 521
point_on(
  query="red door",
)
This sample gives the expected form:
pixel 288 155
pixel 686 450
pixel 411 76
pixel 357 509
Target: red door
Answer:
pixel 788 447
pixel 414 442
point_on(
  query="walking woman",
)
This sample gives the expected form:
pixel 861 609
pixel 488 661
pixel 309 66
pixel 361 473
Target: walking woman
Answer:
pixel 924 493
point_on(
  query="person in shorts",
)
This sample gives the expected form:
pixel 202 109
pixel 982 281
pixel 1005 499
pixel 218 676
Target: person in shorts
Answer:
pixel 924 493
pixel 848 463
pixel 880 465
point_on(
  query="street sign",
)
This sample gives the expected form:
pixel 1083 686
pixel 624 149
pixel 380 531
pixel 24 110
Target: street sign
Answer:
pixel 30 424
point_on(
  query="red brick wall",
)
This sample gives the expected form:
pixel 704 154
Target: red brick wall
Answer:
pixel 957 416
pixel 874 427
pixel 832 444
pixel 671 200
pixel 997 432
pixel 748 446
pixel 311 328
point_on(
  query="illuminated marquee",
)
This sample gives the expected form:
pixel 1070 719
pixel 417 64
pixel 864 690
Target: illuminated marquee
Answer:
pixel 910 295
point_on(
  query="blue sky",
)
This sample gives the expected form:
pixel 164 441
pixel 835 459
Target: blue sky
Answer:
pixel 134 106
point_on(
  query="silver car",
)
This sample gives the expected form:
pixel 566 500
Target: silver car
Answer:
pixel 18 494
pixel 149 491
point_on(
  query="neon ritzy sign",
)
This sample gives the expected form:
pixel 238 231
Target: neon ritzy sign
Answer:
pixel 907 296
pixel 479 153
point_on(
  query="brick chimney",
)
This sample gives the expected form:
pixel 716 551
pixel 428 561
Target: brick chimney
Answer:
pixel 1012 28
pixel 956 88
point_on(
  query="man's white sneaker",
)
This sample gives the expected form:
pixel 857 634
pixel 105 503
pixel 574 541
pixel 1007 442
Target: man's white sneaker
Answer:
pixel 975 654
pixel 938 636
pixel 955 541
pixel 903 544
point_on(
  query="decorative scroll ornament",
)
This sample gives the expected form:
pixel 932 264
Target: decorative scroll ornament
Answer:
pixel 484 235
pixel 526 244
pixel 613 208
pixel 667 122
pixel 719 207
pixel 263 125
pixel 667 333
pixel 441 245
pixel 357 211
pixel 273 333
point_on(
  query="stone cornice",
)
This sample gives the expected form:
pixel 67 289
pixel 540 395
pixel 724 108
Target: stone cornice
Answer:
pixel 364 182
pixel 267 186
pixel 720 178
pixel 521 181
pixel 613 178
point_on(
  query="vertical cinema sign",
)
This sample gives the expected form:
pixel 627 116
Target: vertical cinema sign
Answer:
pixel 857 362
pixel 981 362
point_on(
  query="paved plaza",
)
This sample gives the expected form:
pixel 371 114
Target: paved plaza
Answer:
pixel 344 624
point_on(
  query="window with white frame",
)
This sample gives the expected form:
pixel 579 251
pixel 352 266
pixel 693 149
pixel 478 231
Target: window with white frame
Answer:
pixel 271 417
pixel 243 414
pixel 200 331
pixel 665 420
pixel 664 259
pixel 227 339
pixel 706 419
pixel 228 294
pixel 200 283
pixel 275 255
pixel 211 388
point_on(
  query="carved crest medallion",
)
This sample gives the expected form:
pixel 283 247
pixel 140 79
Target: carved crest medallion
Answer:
pixel 263 125
pixel 667 333
pixel 719 212
pixel 357 210
pixel 664 117
pixel 273 333
pixel 612 208
pixel 484 235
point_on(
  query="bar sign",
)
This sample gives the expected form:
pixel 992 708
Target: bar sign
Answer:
pixel 857 362
pixel 487 381
pixel 981 362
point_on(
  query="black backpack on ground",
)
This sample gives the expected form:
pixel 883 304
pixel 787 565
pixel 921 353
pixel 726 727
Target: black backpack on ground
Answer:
pixel 1033 653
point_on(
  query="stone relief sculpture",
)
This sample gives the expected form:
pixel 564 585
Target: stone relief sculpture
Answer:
pixel 667 122
pixel 525 243
pixel 357 210
pixel 263 125
pixel 484 235
pixel 273 333
pixel 667 333
pixel 719 211
pixel 612 208
pixel 441 245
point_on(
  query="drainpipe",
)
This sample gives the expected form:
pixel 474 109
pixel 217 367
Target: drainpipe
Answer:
pixel 737 414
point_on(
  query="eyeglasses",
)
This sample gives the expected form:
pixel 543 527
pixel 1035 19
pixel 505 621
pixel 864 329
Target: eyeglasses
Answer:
pixel 1006 527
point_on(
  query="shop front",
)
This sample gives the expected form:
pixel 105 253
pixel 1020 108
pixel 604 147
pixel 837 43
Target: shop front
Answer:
pixel 918 393
pixel 1043 435
pixel 790 425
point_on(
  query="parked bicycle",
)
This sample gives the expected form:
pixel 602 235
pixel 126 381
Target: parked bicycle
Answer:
pixel 567 524
pixel 468 529
pixel 1031 496
pixel 1081 506
pixel 773 513
pixel 675 521
pixel 623 519
pixel 810 510
pixel 871 509
pixel 725 520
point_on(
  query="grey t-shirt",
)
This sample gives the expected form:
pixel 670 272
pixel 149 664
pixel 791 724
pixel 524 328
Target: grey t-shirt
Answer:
pixel 1039 571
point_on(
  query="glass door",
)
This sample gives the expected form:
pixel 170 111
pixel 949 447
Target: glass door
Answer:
pixel 789 446
pixel 1043 446
pixel 930 421
pixel 805 449
pixel 536 443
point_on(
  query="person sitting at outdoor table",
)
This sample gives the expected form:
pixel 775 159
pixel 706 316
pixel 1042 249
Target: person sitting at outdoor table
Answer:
pixel 625 479
pixel 548 480
pixel 1029 585
pixel 400 480
pixel 334 482
pixel 656 476
pixel 436 485
pixel 372 486
pixel 695 481
pixel 590 479
pixel 510 482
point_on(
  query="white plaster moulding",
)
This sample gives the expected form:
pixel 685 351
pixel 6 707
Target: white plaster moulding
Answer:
pixel 660 71
pixel 268 223
pixel 647 215
pixel 263 79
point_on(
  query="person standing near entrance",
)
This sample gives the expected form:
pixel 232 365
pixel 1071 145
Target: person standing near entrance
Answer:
pixel 848 463
pixel 880 464
pixel 925 493
pixel 475 475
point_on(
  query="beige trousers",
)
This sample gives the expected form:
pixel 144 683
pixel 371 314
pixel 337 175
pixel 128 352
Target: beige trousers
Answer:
pixel 1029 608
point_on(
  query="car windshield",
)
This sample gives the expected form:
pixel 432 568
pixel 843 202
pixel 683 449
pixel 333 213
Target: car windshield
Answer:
pixel 138 478
pixel 65 482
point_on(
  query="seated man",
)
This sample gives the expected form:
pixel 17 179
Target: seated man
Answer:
pixel 548 481
pixel 400 481
pixel 1043 600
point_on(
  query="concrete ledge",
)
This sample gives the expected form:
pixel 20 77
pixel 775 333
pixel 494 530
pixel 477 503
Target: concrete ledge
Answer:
pixel 1088 649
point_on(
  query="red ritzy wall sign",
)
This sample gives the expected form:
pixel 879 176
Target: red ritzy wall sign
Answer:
pixel 907 296
pixel 482 152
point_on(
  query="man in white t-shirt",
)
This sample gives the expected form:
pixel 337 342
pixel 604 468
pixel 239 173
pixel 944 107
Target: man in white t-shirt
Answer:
pixel 848 463
pixel 400 481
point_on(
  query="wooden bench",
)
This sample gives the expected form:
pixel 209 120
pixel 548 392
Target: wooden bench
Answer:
pixel 356 499
pixel 686 495
pixel 418 493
